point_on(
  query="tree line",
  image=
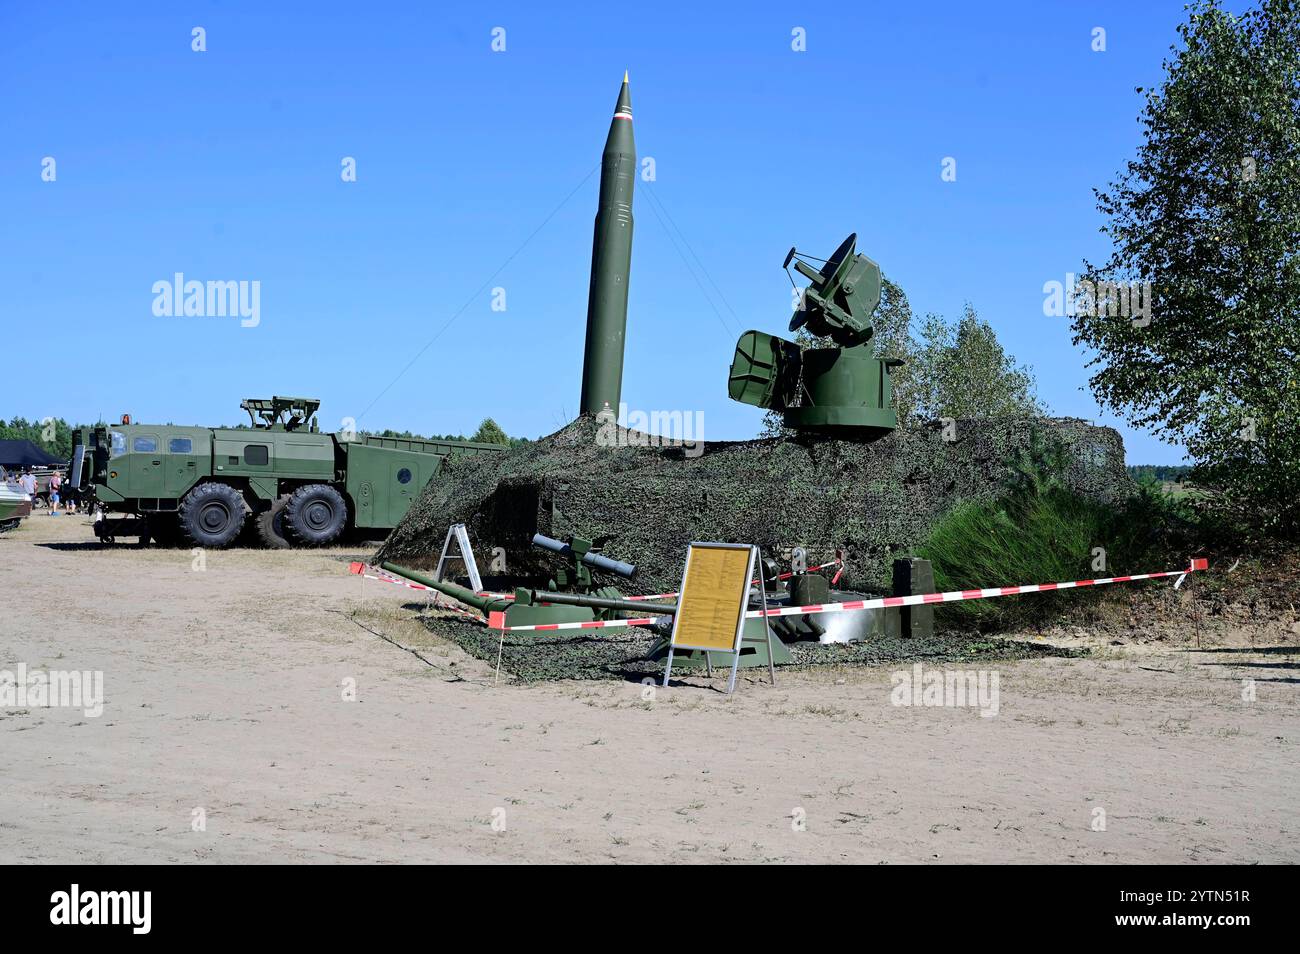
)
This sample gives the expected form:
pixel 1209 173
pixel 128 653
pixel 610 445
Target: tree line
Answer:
pixel 52 434
pixel 56 436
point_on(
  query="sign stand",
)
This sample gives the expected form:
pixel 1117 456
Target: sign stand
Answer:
pixel 767 627
pixel 714 598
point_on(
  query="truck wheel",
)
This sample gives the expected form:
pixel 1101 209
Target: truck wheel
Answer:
pixel 212 515
pixel 271 528
pixel 316 514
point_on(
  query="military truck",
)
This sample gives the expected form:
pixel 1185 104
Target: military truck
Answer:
pixel 299 486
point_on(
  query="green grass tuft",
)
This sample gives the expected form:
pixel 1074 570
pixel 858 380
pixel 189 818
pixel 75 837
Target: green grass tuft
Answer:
pixel 1040 532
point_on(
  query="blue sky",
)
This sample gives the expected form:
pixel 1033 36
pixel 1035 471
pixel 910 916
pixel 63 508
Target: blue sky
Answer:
pixel 225 165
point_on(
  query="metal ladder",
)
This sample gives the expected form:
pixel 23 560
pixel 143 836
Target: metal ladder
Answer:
pixel 457 533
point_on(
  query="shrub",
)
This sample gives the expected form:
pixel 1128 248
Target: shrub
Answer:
pixel 1039 531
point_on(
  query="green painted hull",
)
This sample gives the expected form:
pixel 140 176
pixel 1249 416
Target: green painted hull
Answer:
pixel 14 505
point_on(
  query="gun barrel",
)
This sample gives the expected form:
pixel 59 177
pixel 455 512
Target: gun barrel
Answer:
pixel 486 604
pixel 601 602
pixel 594 560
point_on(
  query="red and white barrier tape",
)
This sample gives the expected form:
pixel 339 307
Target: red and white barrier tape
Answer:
pixel 360 568
pixel 779 576
pixel 920 599
pixel 957 596
pixel 496 620
pixel 383 577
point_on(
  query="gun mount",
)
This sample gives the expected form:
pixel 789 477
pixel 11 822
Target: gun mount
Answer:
pixel 281 413
pixel 583 559
pixel 843 390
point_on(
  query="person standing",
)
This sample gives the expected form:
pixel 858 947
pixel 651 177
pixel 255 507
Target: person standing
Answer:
pixel 56 481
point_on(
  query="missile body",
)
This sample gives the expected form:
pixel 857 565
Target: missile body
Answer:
pixel 611 258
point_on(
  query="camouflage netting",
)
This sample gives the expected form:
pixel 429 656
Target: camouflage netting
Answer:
pixel 539 657
pixel 874 500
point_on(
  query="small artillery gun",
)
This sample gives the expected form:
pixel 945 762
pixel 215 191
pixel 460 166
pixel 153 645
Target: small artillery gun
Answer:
pixel 841 391
pixel 573 594
pixel 584 556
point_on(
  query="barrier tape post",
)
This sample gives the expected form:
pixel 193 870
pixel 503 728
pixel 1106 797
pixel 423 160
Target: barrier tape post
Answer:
pixel 497 621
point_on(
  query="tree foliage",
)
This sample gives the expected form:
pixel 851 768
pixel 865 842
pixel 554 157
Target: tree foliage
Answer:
pixel 962 370
pixel 490 432
pixel 55 435
pixel 1209 214
pixel 1155 473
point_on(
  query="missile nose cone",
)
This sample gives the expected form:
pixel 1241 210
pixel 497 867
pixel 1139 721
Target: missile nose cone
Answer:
pixel 624 105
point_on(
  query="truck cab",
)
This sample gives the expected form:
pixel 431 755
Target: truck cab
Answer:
pixel 147 468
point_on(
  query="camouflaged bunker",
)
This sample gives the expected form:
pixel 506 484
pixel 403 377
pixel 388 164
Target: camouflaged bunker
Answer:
pixel 845 478
pixel 871 501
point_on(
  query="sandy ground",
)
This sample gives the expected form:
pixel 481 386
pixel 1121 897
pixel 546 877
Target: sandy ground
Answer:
pixel 224 701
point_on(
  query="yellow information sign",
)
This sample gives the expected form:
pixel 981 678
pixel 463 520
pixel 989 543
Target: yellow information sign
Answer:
pixel 715 588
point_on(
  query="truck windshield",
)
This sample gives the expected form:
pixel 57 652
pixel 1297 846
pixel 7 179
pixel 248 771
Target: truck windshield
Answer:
pixel 117 443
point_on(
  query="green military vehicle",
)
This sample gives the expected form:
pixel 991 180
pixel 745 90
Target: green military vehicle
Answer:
pixel 299 486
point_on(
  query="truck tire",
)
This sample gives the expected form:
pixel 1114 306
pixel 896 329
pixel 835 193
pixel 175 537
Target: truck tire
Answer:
pixel 212 515
pixel 316 514
pixel 271 529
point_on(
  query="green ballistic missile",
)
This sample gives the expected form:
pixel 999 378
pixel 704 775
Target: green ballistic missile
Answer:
pixel 611 258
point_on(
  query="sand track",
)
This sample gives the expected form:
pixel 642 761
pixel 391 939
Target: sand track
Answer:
pixel 223 692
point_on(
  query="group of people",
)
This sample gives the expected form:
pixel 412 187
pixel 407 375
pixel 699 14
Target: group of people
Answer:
pixel 27 483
